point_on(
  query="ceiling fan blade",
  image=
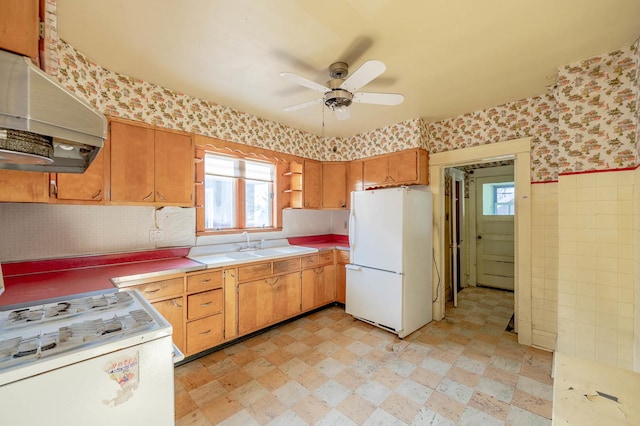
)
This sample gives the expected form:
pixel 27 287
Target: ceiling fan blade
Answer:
pixel 298 79
pixel 302 105
pixel 363 75
pixel 378 98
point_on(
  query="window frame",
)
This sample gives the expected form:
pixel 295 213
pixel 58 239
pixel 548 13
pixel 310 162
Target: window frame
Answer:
pixel 240 193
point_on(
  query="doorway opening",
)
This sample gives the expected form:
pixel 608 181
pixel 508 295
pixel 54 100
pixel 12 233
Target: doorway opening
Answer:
pixel 518 151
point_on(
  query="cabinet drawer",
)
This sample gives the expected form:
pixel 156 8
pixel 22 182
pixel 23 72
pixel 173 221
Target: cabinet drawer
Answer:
pixel 343 256
pixel 164 288
pixel 204 333
pixel 254 271
pixel 325 257
pixel 203 304
pixel 287 265
pixel 206 281
pixel 309 261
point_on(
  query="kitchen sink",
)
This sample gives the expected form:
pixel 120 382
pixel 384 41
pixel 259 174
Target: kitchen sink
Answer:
pixel 241 255
pixel 267 252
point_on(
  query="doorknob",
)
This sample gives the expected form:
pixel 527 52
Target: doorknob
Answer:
pixel 479 237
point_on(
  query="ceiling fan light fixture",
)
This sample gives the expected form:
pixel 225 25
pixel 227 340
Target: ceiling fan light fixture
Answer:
pixel 339 100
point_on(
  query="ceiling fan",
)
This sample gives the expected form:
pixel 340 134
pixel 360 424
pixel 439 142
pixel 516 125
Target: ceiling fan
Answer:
pixel 341 91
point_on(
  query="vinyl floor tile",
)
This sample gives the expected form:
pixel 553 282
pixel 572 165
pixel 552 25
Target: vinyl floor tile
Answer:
pixel 328 368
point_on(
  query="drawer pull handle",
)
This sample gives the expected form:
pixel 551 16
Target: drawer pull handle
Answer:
pixel 318 271
pixel 152 291
pixel 205 281
pixel 275 280
pixel 309 260
pixel 98 194
pixel 176 304
pixel 206 304
pixel 148 196
pixel 206 332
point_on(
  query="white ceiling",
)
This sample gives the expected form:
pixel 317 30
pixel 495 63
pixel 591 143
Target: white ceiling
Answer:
pixel 448 57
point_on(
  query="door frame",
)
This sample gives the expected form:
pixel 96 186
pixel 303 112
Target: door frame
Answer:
pixel 518 150
pixel 456 220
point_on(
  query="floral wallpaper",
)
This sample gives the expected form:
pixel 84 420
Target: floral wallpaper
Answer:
pixel 597 112
pixel 536 117
pixel 588 122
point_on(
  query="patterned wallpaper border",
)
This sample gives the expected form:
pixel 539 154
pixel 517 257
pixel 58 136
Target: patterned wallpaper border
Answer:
pixel 588 123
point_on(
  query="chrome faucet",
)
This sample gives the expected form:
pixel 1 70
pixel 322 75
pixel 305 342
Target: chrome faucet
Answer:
pixel 248 246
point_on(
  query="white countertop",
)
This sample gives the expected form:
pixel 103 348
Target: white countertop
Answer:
pixel 217 259
pixel 589 393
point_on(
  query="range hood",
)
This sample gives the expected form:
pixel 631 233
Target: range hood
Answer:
pixel 43 126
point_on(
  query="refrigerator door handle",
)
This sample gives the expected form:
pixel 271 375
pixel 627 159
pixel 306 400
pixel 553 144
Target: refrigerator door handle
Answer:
pixel 353 267
pixel 352 228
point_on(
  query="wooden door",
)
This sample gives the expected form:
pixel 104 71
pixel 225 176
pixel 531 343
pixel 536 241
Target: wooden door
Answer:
pixel 174 168
pixel 24 187
pixel 312 184
pixel 87 186
pixel 375 171
pixel 495 232
pixel 403 167
pixel 19 27
pixel 204 333
pixel 334 185
pixel 230 303
pixel 286 301
pixel 341 276
pixel 173 311
pixel 132 163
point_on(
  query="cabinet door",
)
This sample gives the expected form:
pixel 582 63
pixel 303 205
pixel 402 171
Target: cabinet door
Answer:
pixel 24 187
pixel 334 185
pixel 403 167
pixel 204 333
pixel 267 301
pixel 341 276
pixel 132 163
pixel 174 168
pixel 173 311
pixel 87 186
pixel 376 171
pixel 19 24
pixel 318 286
pixel 311 185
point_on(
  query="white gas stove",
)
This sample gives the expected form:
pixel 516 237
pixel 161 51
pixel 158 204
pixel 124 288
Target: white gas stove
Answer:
pixel 93 353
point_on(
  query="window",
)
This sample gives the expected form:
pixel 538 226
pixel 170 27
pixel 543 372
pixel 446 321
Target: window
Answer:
pixel 498 199
pixel 238 193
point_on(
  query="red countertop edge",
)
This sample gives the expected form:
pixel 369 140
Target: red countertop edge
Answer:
pixel 62 264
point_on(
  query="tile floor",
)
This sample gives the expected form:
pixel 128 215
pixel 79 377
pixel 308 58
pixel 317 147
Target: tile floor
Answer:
pixel 329 369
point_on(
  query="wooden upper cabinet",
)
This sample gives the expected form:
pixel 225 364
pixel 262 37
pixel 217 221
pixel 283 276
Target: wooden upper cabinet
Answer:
pixel 19 27
pixel 334 185
pixel 132 163
pixel 355 179
pixel 408 167
pixel 312 184
pixel 24 187
pixel 174 168
pixel 87 187
pixel 151 166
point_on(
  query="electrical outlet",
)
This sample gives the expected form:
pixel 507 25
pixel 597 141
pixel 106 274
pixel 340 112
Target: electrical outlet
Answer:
pixel 155 235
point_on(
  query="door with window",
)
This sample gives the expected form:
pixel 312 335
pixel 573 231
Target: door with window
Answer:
pixel 495 210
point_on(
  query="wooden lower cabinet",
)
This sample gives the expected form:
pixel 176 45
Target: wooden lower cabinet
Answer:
pixel 267 301
pixel 173 311
pixel 204 333
pixel 167 296
pixel 342 257
pixel 318 286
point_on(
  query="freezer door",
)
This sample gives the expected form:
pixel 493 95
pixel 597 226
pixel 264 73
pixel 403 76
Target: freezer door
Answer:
pixel 375 296
pixel 375 229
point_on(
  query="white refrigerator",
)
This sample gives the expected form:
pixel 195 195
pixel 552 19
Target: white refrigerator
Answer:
pixel 389 282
